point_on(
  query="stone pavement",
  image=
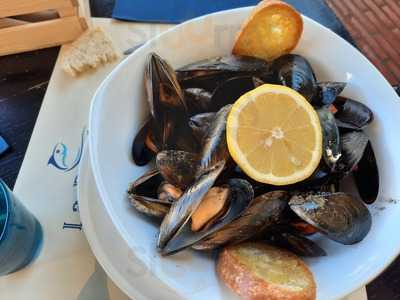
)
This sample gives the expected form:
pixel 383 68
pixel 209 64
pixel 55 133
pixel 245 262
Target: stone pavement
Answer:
pixel 375 27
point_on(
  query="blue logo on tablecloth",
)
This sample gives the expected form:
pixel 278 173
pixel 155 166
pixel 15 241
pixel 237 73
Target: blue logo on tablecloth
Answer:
pixel 59 157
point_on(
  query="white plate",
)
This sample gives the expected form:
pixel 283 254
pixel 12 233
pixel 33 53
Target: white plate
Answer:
pixel 119 109
pixel 99 229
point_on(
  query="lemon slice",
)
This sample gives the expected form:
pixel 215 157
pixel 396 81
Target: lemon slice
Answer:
pixel 274 135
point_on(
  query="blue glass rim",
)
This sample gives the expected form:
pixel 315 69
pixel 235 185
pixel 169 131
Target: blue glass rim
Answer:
pixel 4 193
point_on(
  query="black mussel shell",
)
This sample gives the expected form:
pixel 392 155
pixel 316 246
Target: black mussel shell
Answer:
pixel 230 91
pixel 198 100
pixel 327 92
pixel 241 194
pixel 167 105
pixel 285 237
pixel 177 167
pixel 295 71
pixel 263 212
pixel 143 195
pixel 231 64
pixel 184 138
pixel 211 73
pixel 200 124
pixel 331 138
pixel 207 83
pixel 215 148
pixel 353 147
pixel 339 216
pixel 257 81
pixel 182 209
pixel 321 176
pixel 141 154
pixel 366 176
pixel 397 89
pixel 162 87
pixel 352 114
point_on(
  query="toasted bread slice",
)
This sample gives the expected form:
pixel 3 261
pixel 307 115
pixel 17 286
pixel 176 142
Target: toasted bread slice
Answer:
pixel 257 271
pixel 273 29
pixel 92 49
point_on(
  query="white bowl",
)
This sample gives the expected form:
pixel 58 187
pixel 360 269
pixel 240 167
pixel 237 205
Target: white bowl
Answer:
pixel 119 109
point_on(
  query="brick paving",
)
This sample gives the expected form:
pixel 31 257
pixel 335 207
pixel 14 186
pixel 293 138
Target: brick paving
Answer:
pixel 375 27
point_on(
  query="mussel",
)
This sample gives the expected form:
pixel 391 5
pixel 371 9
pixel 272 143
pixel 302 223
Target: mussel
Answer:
pixel 327 92
pixel 352 114
pixel 339 216
pixel 141 153
pixel 331 139
pixel 212 162
pixel 239 197
pixel 264 211
pixel 168 193
pixel 285 237
pixel 169 112
pixel 295 71
pixel 143 195
pixel 198 100
pixel 215 148
pixel 200 124
pixel 230 65
pixel 397 89
pixel 366 176
pixel 353 145
pixel 230 90
pixel 185 206
pixel 177 167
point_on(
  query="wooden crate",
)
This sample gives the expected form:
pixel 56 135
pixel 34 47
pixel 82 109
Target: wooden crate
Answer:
pixel 35 24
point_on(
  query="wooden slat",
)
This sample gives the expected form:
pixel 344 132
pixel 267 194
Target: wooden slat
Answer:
pixel 38 16
pixel 20 7
pixel 40 35
pixel 67 11
pixel 9 22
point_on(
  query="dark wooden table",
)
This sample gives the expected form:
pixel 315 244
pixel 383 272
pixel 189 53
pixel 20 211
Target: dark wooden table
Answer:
pixel 23 83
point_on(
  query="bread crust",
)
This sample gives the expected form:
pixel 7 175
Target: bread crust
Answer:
pixel 239 47
pixel 241 280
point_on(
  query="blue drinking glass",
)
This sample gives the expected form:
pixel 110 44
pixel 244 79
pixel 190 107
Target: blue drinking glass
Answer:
pixel 21 234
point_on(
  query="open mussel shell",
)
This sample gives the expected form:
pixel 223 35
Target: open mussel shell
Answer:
pixel 141 154
pixel 264 211
pixel 200 124
pixel 184 207
pixel 331 139
pixel 143 195
pixel 366 176
pixel 177 167
pixel 285 237
pixel 339 216
pixel 327 92
pixel 295 71
pixel 240 196
pixel 353 147
pixel 212 161
pixel 352 114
